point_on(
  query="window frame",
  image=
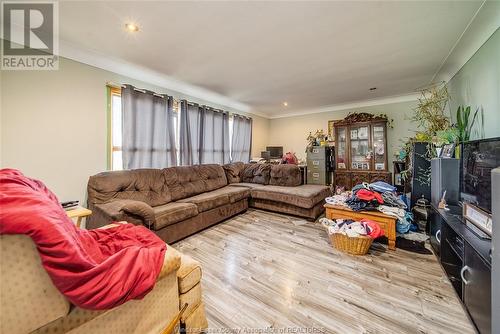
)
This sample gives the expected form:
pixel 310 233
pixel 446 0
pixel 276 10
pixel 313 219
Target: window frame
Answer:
pixel 111 91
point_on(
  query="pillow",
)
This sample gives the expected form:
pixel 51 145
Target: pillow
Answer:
pixel 287 175
pixel 256 173
pixel 233 171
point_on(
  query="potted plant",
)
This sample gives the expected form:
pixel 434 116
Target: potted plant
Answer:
pixel 444 137
pixel 464 125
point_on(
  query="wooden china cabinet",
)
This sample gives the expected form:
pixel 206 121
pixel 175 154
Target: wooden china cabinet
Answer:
pixel 361 150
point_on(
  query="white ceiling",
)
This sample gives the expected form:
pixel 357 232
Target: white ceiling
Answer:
pixel 259 54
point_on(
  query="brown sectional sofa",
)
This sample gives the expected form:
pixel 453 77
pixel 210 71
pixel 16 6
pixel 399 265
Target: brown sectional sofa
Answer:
pixel 176 202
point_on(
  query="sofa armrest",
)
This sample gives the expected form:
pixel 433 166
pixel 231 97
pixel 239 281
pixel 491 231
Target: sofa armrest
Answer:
pixel 171 262
pixel 118 210
pixel 140 209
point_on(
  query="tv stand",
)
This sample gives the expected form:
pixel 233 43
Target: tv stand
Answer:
pixel 466 259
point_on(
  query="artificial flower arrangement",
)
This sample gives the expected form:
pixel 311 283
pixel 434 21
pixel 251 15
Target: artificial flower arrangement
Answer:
pixel 318 139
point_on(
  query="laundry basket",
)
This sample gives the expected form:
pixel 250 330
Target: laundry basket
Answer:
pixel 351 245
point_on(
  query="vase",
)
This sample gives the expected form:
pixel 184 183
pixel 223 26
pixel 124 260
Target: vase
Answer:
pixel 457 151
pixel 438 151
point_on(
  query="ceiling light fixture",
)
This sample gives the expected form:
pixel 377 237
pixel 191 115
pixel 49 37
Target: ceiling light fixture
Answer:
pixel 285 104
pixel 131 27
pixel 373 88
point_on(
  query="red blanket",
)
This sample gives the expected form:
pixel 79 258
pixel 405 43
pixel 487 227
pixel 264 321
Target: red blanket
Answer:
pixel 97 269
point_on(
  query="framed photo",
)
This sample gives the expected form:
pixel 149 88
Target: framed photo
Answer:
pixel 341 165
pixel 331 130
pixel 448 151
pixel 354 134
pixel 363 133
pixel 365 166
pixel 380 166
pixel 478 217
pixel 354 165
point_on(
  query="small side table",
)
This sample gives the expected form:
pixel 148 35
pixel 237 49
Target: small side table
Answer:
pixel 79 213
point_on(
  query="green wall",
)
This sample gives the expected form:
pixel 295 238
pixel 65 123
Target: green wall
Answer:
pixel 478 84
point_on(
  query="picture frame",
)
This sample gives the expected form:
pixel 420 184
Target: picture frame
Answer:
pixel 354 134
pixel 398 179
pixel 448 151
pixel 379 166
pixel 363 133
pixel 331 130
pixel 479 218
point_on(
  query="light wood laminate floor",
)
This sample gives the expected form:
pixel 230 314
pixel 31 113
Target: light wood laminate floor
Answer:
pixel 269 271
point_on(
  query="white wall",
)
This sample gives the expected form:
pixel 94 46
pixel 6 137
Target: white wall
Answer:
pixel 477 84
pixel 53 124
pixel 291 132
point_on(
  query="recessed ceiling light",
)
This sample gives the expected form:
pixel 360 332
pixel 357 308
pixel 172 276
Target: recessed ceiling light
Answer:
pixel 131 27
pixel 285 104
pixel 373 88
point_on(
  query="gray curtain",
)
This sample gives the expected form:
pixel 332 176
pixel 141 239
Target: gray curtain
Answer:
pixel 241 145
pixel 190 133
pixel 214 145
pixel 204 135
pixel 148 129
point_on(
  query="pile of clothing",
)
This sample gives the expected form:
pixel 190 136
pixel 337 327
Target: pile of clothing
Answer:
pixel 377 196
pixel 339 199
pixel 352 228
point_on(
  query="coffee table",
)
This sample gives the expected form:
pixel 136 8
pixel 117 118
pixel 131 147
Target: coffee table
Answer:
pixel 386 222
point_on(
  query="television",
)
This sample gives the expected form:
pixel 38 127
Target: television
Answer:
pixel 479 158
pixel 275 152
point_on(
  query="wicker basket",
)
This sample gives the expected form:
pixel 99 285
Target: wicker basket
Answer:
pixel 355 245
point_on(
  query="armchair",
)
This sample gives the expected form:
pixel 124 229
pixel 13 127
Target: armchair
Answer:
pixel 30 303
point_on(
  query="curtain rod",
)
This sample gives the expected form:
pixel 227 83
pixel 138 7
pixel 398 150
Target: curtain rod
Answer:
pixel 115 85
pixel 112 84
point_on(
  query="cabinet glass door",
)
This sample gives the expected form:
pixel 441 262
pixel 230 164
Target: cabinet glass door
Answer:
pixel 341 144
pixel 379 154
pixel 360 148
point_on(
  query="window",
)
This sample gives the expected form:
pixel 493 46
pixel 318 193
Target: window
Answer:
pixel 231 119
pixel 115 129
pixel 177 126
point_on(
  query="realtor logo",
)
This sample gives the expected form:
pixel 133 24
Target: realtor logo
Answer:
pixel 30 35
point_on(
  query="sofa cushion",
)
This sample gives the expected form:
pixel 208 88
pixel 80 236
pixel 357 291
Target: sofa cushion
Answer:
pixel 233 171
pixel 208 200
pixel 285 175
pixel 235 193
pixel 247 185
pixel 189 273
pixel 256 173
pixel 288 209
pixel 172 213
pixel 187 181
pixel 144 185
pixel 304 196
